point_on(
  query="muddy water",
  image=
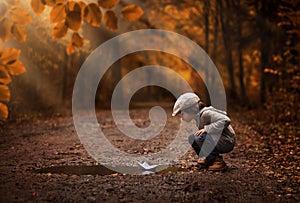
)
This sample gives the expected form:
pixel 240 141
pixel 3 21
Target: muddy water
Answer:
pixel 102 170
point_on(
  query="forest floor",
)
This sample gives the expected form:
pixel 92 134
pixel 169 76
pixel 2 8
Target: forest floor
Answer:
pixel 258 171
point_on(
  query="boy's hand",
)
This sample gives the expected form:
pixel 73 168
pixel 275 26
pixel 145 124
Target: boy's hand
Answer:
pixel 199 132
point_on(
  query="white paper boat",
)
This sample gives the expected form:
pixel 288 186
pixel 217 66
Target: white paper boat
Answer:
pixel 146 167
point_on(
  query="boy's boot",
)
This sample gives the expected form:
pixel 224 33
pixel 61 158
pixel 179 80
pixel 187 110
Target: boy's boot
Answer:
pixel 218 164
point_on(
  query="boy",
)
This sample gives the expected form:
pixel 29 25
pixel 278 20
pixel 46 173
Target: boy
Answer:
pixel 215 135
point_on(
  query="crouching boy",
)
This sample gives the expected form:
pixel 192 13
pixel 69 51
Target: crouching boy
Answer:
pixel 215 135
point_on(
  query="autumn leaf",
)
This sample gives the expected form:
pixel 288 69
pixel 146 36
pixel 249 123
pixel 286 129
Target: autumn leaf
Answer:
pixel 9 65
pixel 20 16
pixel 51 2
pixel 75 6
pixel 93 15
pixel 77 41
pixel 3 111
pixel 108 4
pixel 59 1
pixel 111 20
pixel 3 10
pixel 70 49
pixel 132 12
pixel 9 56
pixel 73 20
pixel 58 13
pixel 5 29
pixel 60 30
pixel 16 68
pixel 37 6
pixel 19 32
pixel 4 93
pixel 4 75
pixel 82 7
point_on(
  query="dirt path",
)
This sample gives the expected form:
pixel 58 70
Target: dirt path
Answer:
pixel 29 146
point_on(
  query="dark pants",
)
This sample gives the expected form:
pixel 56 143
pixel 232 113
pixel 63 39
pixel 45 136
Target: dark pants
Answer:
pixel 204 142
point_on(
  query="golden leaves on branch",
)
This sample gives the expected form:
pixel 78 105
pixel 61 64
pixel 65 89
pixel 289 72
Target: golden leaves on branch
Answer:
pixel 9 59
pixel 9 66
pixel 12 21
pixel 132 12
pixel 69 14
pixel 111 20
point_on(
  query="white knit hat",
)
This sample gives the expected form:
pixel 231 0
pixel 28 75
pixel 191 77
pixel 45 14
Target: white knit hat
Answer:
pixel 184 101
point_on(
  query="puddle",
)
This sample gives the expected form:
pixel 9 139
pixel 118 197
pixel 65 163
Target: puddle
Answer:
pixel 102 170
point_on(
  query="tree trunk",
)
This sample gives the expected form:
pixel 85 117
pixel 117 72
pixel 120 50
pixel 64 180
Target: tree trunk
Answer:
pixel 228 49
pixel 240 55
pixel 206 19
pixel 264 48
pixel 64 87
pixel 215 40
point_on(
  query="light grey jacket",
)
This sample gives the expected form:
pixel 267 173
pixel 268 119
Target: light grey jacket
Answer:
pixel 217 124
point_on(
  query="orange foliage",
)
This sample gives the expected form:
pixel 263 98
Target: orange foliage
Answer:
pixel 132 12
pixel 70 15
pixel 111 20
pixel 66 14
pixel 9 66
pixel 12 21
